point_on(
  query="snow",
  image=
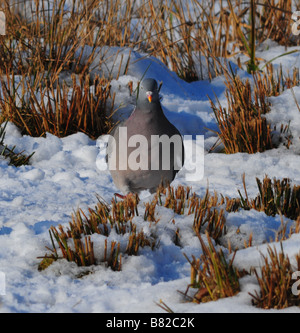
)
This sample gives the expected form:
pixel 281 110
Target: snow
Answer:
pixel 64 175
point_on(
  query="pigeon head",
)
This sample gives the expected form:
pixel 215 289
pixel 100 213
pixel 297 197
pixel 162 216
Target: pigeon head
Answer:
pixel 148 95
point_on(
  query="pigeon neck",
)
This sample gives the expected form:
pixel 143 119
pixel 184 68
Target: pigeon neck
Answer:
pixel 149 108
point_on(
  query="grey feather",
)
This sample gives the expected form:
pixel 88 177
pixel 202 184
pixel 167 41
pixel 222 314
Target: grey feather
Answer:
pixel 147 120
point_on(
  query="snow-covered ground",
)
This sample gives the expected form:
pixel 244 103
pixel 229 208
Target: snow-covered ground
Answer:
pixel 64 176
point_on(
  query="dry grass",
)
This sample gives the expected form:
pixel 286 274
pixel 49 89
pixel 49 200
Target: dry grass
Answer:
pixel 187 37
pixel 275 197
pixel 274 21
pixel 56 108
pixel 258 21
pixel 283 233
pixel 182 35
pixel 16 159
pixel 75 243
pixel 83 252
pixel 275 282
pixel 36 54
pixel 275 83
pixel 46 42
pixel 208 214
pixel 177 199
pixel 212 274
pixel 242 126
pixel 124 210
pixel 212 220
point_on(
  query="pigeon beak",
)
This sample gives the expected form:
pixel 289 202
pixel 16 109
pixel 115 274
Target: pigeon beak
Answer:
pixel 149 96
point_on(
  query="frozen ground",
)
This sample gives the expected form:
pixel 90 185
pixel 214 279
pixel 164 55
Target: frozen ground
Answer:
pixel 64 176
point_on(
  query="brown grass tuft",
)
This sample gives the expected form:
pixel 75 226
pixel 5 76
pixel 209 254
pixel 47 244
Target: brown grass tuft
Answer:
pixel 75 243
pixel 212 274
pixel 16 159
pixel 56 108
pixel 275 197
pixel 276 282
pixel 243 127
